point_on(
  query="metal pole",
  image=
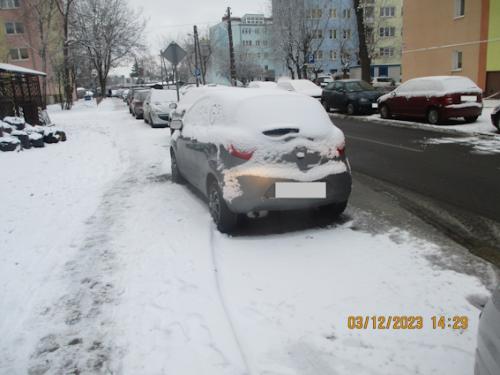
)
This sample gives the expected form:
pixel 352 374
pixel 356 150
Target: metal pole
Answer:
pixel 202 62
pixel 196 66
pixel 231 47
pixel 176 82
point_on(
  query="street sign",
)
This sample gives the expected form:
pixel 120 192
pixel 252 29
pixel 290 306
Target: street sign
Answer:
pixel 310 59
pixel 174 53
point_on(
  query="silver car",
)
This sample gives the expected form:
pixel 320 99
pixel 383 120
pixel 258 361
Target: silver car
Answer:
pixel 157 111
pixel 488 340
pixel 254 150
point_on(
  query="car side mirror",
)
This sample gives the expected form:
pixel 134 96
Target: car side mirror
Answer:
pixel 172 105
pixel 176 124
pixel 393 94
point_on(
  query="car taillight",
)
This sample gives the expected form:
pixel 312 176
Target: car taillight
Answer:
pixel 245 155
pixel 341 150
pixel 448 99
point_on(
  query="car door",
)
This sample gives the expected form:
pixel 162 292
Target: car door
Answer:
pixel 328 92
pixel 419 99
pixel 147 105
pixel 340 96
pixel 399 99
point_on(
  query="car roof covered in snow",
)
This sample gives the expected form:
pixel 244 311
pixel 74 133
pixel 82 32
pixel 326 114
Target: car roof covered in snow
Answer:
pixel 449 84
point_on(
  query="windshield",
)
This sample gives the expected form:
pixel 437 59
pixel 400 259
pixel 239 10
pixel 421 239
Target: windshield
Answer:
pixel 140 95
pixel 356 86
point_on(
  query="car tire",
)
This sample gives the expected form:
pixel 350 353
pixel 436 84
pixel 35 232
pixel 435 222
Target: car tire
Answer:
pixel 326 106
pixel 471 119
pixel 433 117
pixel 333 211
pixel 350 109
pixel 176 173
pixel 225 220
pixel 384 111
pixel 146 119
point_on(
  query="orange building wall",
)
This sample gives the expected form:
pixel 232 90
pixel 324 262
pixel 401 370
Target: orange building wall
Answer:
pixel 431 34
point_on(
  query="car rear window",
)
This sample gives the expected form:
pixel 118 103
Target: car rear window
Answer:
pixel 164 95
pixel 140 95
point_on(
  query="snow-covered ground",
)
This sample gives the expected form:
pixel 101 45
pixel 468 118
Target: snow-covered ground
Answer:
pixel 107 267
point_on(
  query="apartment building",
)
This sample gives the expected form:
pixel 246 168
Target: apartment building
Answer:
pixel 20 40
pixel 253 51
pixel 455 37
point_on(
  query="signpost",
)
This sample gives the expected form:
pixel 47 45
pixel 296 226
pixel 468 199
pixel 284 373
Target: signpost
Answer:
pixel 174 54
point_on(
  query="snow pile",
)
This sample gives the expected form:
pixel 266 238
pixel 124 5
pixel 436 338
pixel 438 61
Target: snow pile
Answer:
pixel 484 146
pixel 262 85
pixel 18 122
pixel 6 127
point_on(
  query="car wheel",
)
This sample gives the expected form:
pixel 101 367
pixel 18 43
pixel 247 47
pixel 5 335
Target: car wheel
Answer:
pixel 146 119
pixel 433 116
pixel 326 106
pixel 384 111
pixel 225 220
pixel 471 119
pixel 176 174
pixel 350 109
pixel 333 211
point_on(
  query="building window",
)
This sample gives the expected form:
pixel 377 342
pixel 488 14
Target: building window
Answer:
pixel 9 4
pixel 318 55
pixel 14 28
pixel 346 34
pixel 386 52
pixel 333 13
pixel 346 13
pixel 257 43
pixel 19 54
pixel 333 55
pixel 333 34
pixel 459 8
pixel 387 11
pixel 457 60
pixel 265 42
pixel 386 32
pixel 318 34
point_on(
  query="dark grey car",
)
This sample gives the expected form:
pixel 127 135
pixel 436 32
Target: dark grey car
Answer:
pixel 488 338
pixel 254 150
pixel 351 96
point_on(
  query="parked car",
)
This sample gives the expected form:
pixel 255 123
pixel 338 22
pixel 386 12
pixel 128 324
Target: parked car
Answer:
pixel 250 151
pixel 383 82
pixel 495 117
pixel 435 99
pixel 488 338
pixel 130 96
pixel 323 80
pixel 262 85
pixel 157 107
pixel 351 96
pixel 125 95
pixel 138 103
pixel 302 86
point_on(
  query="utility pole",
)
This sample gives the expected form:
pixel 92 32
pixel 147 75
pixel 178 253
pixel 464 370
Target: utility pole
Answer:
pixel 202 59
pixel 231 47
pixel 196 66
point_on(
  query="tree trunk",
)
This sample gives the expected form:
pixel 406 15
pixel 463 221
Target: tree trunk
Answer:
pixel 364 56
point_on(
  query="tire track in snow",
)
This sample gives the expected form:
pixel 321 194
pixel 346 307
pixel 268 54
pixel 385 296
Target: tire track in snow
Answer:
pixel 222 299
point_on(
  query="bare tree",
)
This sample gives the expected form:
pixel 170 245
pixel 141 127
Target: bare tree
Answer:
pixel 108 30
pixel 44 13
pixel 66 8
pixel 363 29
pixel 298 32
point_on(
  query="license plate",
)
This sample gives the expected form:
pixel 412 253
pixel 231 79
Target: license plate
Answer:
pixel 374 105
pixel 297 190
pixel 468 98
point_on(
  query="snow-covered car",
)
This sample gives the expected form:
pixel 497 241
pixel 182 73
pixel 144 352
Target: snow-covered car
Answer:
pixel 323 80
pixel 351 96
pixel 495 117
pixel 488 338
pixel 190 97
pixel 253 150
pixel 436 99
pixel 383 82
pixel 302 86
pixel 262 85
pixel 157 107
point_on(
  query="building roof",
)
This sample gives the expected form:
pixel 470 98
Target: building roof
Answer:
pixel 20 70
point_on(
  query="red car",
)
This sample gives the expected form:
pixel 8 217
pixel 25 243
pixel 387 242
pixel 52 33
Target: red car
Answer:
pixel 435 99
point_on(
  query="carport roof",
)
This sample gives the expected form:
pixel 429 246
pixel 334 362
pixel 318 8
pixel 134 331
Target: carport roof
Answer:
pixel 19 70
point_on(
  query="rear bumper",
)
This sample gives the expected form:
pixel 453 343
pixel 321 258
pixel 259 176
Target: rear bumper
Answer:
pixel 258 194
pixel 448 112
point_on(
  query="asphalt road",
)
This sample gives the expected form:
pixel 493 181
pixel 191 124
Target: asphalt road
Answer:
pixel 451 173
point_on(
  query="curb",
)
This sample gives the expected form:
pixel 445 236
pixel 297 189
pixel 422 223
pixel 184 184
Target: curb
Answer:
pixel 415 125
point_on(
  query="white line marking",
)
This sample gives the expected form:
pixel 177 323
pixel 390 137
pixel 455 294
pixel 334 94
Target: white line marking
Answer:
pixel 386 144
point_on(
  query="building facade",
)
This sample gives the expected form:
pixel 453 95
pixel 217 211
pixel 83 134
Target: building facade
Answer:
pixel 459 37
pixel 20 41
pixel 253 51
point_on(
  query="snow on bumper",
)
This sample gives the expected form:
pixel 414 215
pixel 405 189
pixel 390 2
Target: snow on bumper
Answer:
pixel 253 188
